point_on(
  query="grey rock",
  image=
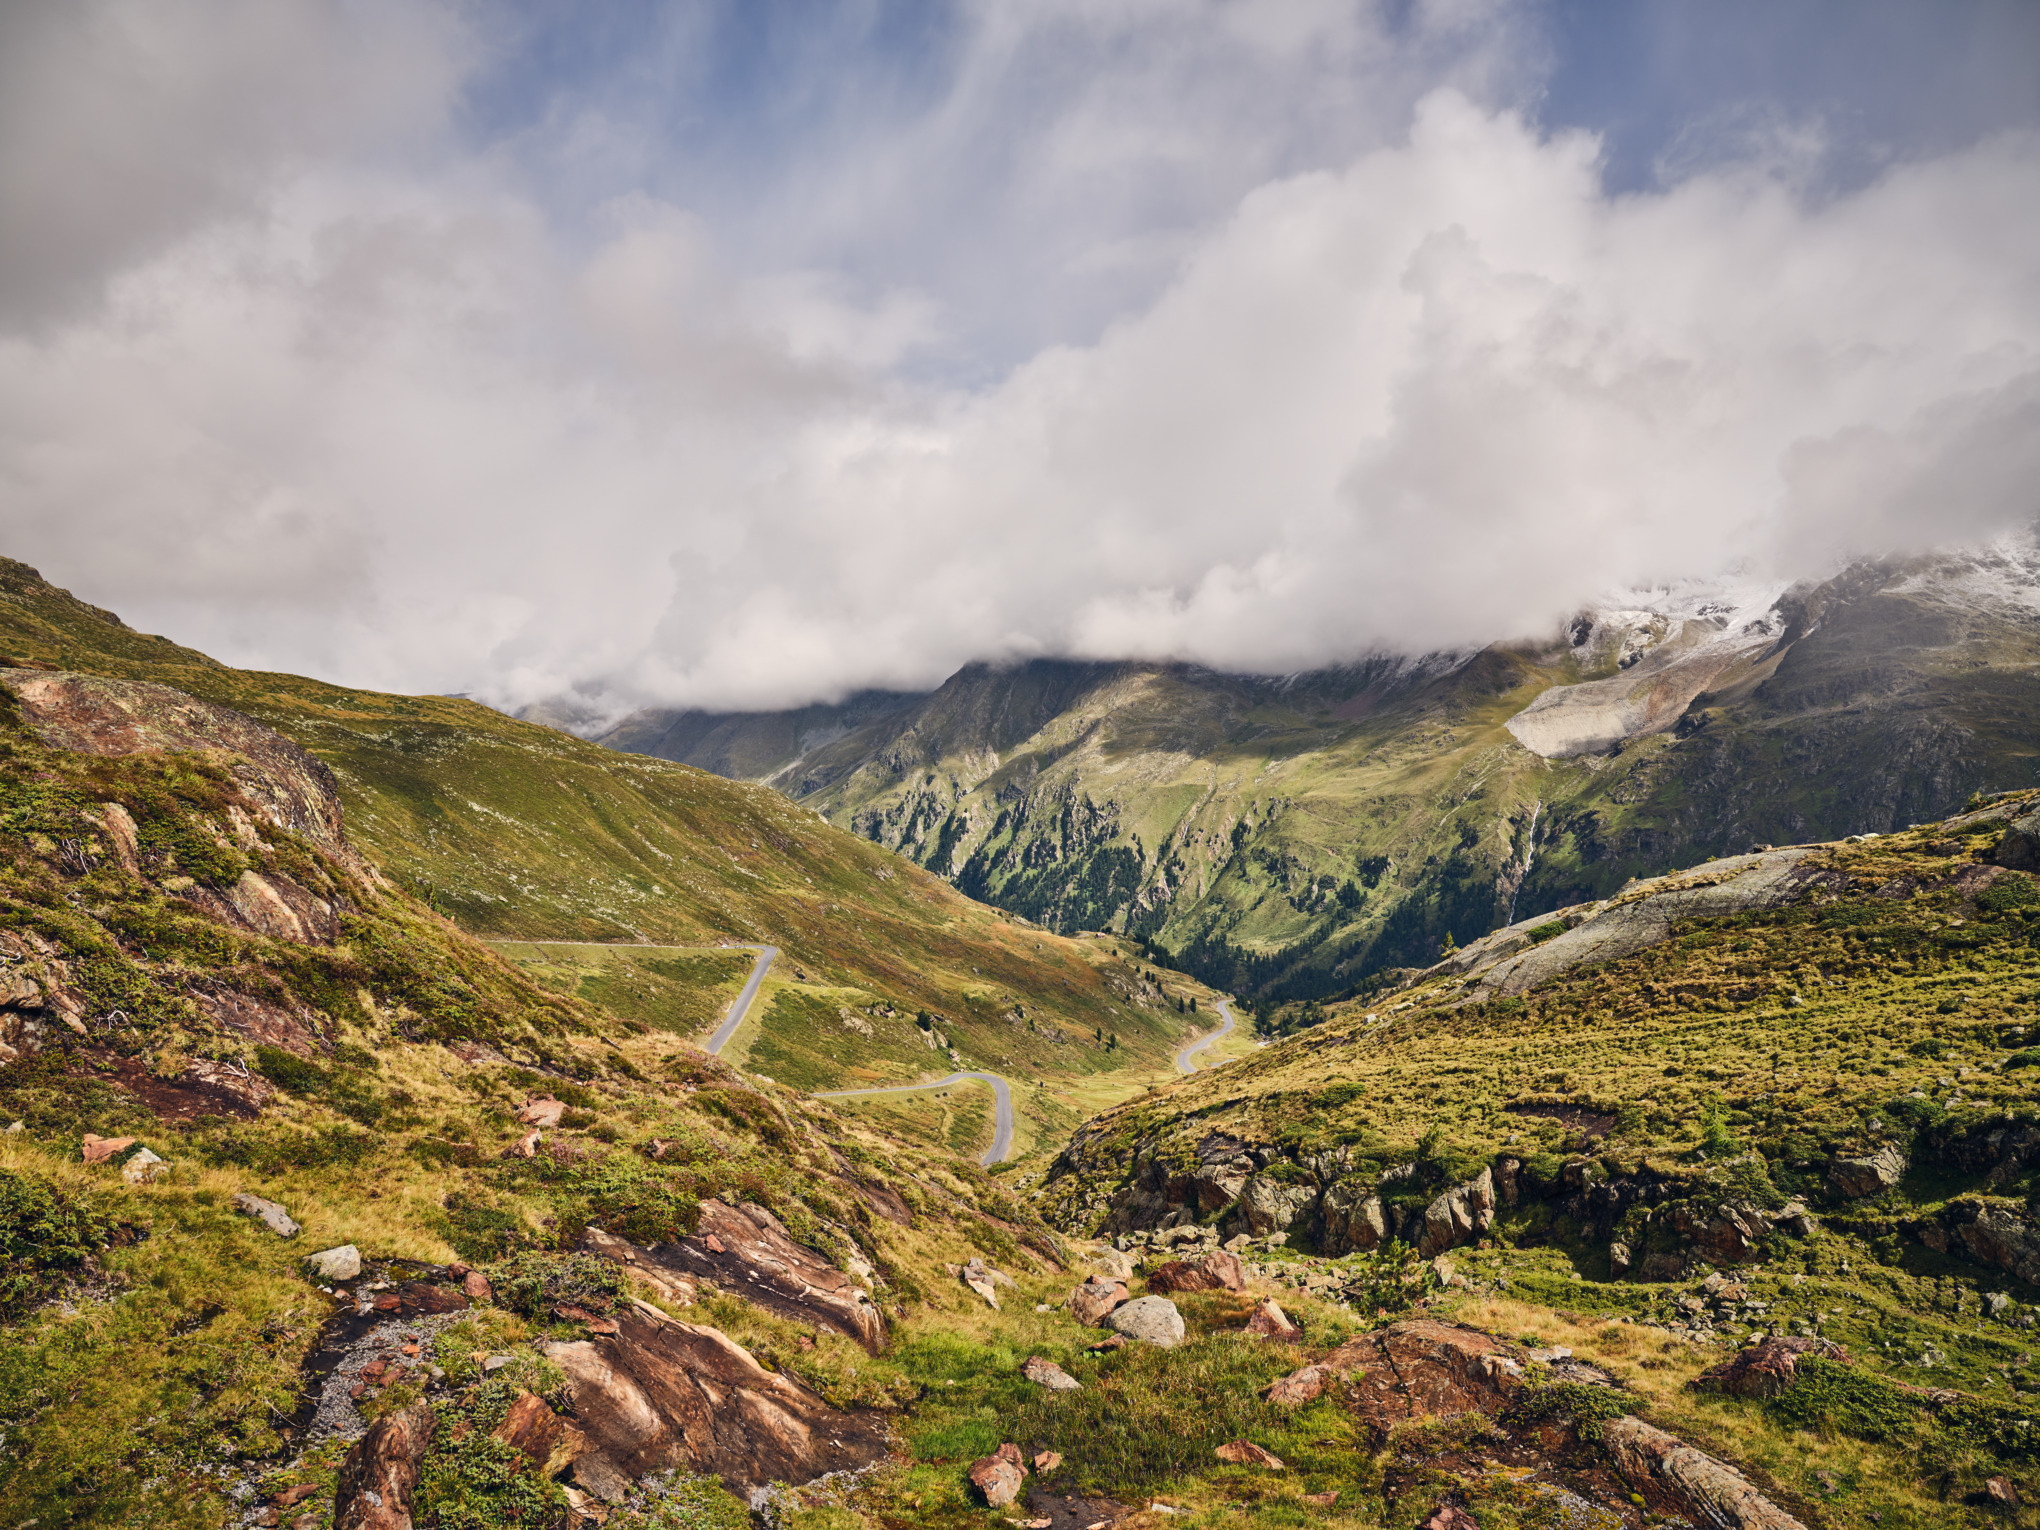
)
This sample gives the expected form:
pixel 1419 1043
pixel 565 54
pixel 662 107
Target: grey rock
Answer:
pixel 1150 1319
pixel 342 1263
pixel 143 1167
pixel 1353 1219
pixel 1458 1216
pixel 1268 1205
pixel 1046 1373
pixel 2019 846
pixel 1873 1174
pixel 271 1215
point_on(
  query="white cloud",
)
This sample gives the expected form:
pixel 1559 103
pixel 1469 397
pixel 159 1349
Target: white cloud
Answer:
pixel 390 422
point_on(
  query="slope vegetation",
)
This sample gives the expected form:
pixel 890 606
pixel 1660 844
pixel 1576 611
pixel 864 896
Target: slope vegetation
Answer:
pixel 1290 837
pixel 516 831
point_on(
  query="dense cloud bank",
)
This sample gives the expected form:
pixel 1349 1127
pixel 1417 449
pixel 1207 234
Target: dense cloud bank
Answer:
pixel 354 397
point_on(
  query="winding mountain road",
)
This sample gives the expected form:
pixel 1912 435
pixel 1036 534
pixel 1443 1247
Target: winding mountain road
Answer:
pixel 1002 1127
pixel 742 1005
pixel 1186 1060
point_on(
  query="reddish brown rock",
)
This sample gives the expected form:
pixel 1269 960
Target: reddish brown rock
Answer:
pixel 1767 1369
pixel 1216 1271
pixel 1450 1516
pixel 1095 1298
pixel 1269 1321
pixel 1999 1490
pixel 100 1149
pixel 543 1111
pixel 1247 1453
pixel 417 1298
pixel 1298 1387
pixel 1047 1461
pixel 753 1257
pixel 1707 1491
pixel 998 1476
pixel 541 1434
pixel 525 1146
pixel 380 1473
pixel 474 1285
pixel 660 1393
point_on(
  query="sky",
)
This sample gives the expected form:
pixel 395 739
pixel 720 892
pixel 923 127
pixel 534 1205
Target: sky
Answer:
pixel 745 354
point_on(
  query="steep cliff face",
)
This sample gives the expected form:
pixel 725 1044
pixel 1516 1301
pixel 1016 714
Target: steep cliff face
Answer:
pixel 1290 836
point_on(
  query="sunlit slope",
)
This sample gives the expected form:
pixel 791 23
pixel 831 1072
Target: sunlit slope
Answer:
pixel 1289 836
pixel 519 831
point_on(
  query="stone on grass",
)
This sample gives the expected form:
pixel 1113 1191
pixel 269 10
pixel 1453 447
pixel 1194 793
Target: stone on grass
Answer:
pixel 1114 1265
pixel 525 1146
pixel 1095 1298
pixel 544 1111
pixel 143 1167
pixel 1046 1373
pixel 998 1476
pixel 475 1286
pixel 1047 1461
pixel 979 1278
pixel 271 1215
pixel 1247 1453
pixel 1298 1387
pixel 1149 1319
pixel 1768 1369
pixel 1449 1516
pixel 99 1149
pixel 1999 1490
pixel 342 1263
pixel 1271 1322
pixel 1873 1174
pixel 1216 1271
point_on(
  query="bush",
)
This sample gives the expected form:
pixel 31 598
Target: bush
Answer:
pixel 1831 1398
pixel 1586 1408
pixel 41 1231
pixel 531 1284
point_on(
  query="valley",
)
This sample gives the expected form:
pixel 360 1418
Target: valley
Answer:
pixel 1292 837
pixel 410 1101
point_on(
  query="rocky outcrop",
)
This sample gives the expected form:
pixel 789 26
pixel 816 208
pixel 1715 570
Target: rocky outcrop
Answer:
pixel 95 714
pixel 745 1251
pixel 1671 1474
pixel 1991 1232
pixel 1458 1216
pixel 1353 1219
pixel 380 1473
pixel 1871 1174
pixel 1766 1369
pixel 659 1393
pixel 1268 1205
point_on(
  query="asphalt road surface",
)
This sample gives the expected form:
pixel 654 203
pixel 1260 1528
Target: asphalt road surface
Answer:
pixel 742 1006
pixel 1187 1058
pixel 1002 1129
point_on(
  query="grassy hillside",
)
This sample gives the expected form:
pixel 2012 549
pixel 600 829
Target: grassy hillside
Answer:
pixel 1289 837
pixel 516 831
pixel 1815 1073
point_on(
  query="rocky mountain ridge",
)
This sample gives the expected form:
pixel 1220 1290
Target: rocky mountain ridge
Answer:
pixel 1288 837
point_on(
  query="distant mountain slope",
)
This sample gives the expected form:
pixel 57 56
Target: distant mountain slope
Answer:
pixel 516 830
pixel 1292 835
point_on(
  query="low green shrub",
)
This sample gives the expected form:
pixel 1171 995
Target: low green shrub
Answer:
pixel 1831 1398
pixel 42 1231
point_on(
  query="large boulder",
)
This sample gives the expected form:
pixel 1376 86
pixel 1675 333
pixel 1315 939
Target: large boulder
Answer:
pixel 1871 1174
pixel 1459 1216
pixel 1269 1205
pixel 1671 1474
pixel 1091 1302
pixel 1149 1319
pixel 659 1393
pixel 380 1473
pixel 1216 1271
pixel 2019 846
pixel 1353 1219
pixel 746 1252
pixel 999 1475
pixel 1766 1369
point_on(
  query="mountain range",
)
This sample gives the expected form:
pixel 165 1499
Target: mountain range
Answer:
pixel 1292 836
